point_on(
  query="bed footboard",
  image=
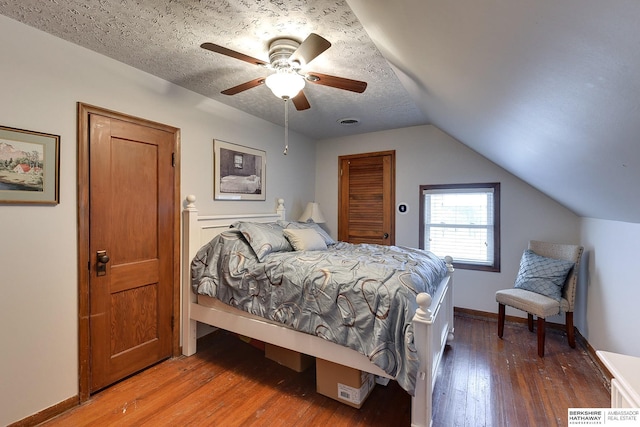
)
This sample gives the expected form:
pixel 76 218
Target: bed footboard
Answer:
pixel 433 329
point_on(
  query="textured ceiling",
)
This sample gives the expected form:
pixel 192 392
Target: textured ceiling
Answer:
pixel 163 38
pixel 546 89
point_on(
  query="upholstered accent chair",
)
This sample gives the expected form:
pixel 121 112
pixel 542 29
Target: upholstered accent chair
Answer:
pixel 545 286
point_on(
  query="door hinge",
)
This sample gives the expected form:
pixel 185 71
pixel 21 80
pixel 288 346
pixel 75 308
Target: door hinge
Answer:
pixel 173 160
pixel 173 321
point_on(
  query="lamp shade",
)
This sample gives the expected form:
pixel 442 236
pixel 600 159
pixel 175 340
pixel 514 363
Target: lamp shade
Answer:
pixel 285 85
pixel 312 212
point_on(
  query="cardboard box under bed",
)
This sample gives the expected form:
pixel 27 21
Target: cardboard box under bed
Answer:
pixel 347 385
pixel 291 359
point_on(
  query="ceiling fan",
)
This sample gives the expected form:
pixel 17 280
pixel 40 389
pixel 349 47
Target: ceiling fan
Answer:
pixel 288 57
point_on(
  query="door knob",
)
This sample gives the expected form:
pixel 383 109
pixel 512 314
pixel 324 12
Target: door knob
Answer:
pixel 385 236
pixel 101 265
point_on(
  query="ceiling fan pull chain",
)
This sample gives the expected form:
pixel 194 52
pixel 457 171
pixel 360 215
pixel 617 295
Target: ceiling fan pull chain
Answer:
pixel 286 126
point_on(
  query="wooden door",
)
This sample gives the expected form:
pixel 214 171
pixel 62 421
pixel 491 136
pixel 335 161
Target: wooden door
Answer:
pixel 131 245
pixel 366 197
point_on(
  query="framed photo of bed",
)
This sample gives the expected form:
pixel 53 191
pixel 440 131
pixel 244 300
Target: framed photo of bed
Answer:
pixel 239 172
pixel 29 167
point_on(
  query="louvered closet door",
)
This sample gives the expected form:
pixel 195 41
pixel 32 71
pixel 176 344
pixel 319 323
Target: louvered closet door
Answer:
pixel 367 198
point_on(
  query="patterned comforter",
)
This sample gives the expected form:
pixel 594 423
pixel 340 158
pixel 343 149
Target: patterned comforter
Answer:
pixel 359 296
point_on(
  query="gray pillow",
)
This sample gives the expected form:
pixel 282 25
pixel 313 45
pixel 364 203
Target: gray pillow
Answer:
pixel 301 225
pixel 263 238
pixel 542 275
pixel 305 239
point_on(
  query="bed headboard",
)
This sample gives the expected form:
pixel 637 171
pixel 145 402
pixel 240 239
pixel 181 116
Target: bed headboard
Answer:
pixel 198 230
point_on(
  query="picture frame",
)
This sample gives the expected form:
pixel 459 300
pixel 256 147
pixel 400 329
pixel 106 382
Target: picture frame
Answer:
pixel 239 172
pixel 29 167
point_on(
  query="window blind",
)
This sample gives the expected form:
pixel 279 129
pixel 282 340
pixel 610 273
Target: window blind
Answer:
pixel 459 222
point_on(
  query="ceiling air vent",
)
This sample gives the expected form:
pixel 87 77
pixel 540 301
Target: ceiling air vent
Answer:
pixel 349 121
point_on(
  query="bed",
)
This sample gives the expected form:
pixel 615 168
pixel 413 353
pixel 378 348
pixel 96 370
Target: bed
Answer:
pixel 432 323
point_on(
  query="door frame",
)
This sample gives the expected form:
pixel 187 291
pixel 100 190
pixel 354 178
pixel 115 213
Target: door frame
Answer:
pixel 84 359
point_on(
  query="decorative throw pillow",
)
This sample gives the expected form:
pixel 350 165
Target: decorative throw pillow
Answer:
pixel 543 275
pixel 302 225
pixel 263 238
pixel 305 239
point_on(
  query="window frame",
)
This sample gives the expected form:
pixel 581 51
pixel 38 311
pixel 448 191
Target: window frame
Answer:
pixel 495 267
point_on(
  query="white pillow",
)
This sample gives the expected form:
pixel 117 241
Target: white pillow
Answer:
pixel 305 239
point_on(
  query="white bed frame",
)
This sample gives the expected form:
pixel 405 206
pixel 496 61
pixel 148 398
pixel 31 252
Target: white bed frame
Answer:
pixel 432 323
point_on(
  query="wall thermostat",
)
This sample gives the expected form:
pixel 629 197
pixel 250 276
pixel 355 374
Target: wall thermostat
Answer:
pixel 403 208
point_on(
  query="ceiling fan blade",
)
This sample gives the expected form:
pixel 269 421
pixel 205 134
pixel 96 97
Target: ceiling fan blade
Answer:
pixel 301 102
pixel 311 47
pixel 244 86
pixel 232 53
pixel 337 82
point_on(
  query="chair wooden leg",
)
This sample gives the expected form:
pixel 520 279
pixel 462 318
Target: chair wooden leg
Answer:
pixel 530 321
pixel 570 329
pixel 500 320
pixel 541 331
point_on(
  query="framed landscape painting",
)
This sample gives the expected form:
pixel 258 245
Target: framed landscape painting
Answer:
pixel 29 167
pixel 239 172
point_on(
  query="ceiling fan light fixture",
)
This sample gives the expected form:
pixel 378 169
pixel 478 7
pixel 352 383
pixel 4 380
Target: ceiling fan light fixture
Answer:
pixel 287 57
pixel 285 84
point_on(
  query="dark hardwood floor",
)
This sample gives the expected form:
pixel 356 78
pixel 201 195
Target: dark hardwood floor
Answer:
pixel 484 381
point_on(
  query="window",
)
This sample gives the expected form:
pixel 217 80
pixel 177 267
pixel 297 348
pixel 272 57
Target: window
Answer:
pixel 237 161
pixel 463 221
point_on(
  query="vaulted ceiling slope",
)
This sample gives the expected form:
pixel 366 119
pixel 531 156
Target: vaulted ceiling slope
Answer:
pixel 547 89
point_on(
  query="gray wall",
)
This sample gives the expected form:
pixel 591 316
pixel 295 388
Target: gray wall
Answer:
pixel 426 155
